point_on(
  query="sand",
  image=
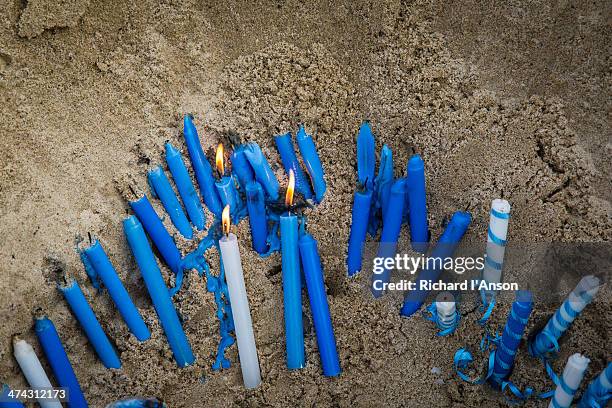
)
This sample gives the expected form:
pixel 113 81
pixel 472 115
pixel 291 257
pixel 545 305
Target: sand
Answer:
pixel 510 100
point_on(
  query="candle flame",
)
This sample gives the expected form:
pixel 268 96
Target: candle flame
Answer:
pixel 225 217
pixel 290 188
pixel 219 159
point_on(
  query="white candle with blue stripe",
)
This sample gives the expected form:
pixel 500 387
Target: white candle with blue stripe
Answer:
pixel 446 310
pixel 570 381
pixel 599 390
pixel 496 242
pixel 547 340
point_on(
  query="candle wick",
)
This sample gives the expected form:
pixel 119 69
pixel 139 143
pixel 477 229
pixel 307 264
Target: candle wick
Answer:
pixel 132 190
pixel 89 235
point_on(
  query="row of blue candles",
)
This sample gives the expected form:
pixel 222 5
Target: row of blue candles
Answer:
pixel 252 180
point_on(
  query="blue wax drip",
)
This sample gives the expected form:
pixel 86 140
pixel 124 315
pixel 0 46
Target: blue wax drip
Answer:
pixel 366 159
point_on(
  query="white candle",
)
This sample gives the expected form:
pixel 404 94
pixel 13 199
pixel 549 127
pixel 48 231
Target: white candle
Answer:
pixel 496 240
pixel 247 351
pixel 572 377
pixel 446 309
pixel 33 370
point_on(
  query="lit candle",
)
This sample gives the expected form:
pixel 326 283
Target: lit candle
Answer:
pixel 247 351
pixel 201 167
pixel 311 159
pixel 7 400
pixel 292 284
pixel 186 189
pixel 56 355
pixel 158 291
pixel 384 180
pixel 570 381
pixel 104 269
pixel 313 274
pixel 390 234
pixel 599 390
pixel 33 371
pixel 496 242
pixel 226 188
pixel 445 248
pixel 446 310
pixel 419 230
pixel 578 299
pixel 366 159
pixel 161 188
pixel 263 172
pixel 88 321
pixel 291 163
pixel 256 207
pixel 359 225
pixel 511 337
pixel 241 167
pixel 159 234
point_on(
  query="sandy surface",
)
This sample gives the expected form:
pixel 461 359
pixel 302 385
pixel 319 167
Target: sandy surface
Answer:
pixel 510 99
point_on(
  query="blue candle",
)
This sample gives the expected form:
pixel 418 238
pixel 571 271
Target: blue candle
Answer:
pixel 258 221
pixel 290 162
pixel 313 275
pixel 104 269
pixel 263 172
pixel 158 233
pixel 161 188
pixel 292 291
pixel 241 167
pixel 390 234
pixel 445 248
pixel 384 180
pixel 599 390
pixel 185 187
pixel 311 159
pixel 366 159
pixel 359 225
pixel 201 167
pixel 419 230
pixel 511 337
pixel 158 291
pixel 56 355
pixel 292 283
pixel 8 401
pixel 88 321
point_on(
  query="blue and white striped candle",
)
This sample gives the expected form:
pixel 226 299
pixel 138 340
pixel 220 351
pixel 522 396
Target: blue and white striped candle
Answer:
pixel 570 381
pixel 599 390
pixel 511 337
pixel 577 300
pixel 496 242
